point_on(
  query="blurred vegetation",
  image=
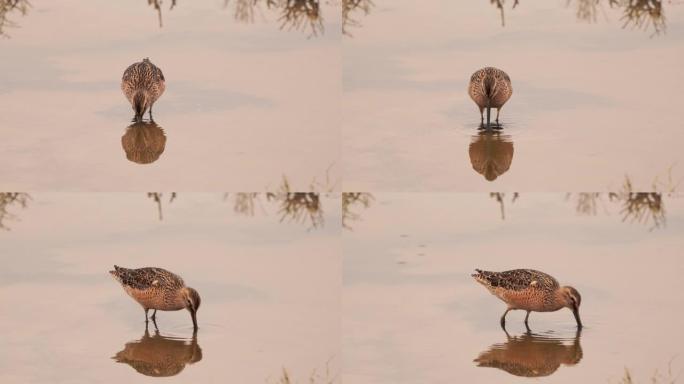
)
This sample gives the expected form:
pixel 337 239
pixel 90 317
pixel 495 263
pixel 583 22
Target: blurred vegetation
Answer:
pixel 351 200
pixel 500 198
pixel 9 7
pixel 8 199
pixel 500 6
pixel 351 7
pixel 300 15
pixel 157 4
pixel 296 207
pixel 666 377
pixel 635 207
pixel 316 377
pixel 640 14
pixel 157 198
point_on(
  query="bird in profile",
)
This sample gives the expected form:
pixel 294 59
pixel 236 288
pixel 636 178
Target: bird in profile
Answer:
pixel 158 289
pixel 530 290
pixel 142 84
pixel 490 88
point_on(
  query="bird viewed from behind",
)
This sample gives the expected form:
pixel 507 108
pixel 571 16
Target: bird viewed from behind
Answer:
pixel 142 84
pixel 490 88
pixel 158 289
pixel 530 290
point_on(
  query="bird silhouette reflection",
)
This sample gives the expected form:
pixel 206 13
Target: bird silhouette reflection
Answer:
pixel 160 356
pixel 532 355
pixel 143 142
pixel 491 154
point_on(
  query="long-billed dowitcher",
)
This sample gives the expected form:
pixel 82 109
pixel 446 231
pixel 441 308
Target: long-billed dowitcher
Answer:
pixel 143 84
pixel 158 289
pixel 530 290
pixel 490 88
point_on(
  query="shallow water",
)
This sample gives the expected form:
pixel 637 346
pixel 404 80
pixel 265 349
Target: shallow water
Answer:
pixel 270 291
pixel 413 313
pixel 592 101
pixel 249 97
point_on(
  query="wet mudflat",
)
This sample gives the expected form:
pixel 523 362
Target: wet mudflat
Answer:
pixel 414 314
pixel 270 289
pixel 252 94
pixel 593 90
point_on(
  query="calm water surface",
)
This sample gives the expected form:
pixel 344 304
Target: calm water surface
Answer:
pixel 413 313
pixel 252 94
pixel 592 101
pixel 270 291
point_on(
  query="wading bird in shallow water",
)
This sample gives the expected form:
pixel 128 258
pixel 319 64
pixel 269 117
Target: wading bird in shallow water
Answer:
pixel 490 88
pixel 530 290
pixel 143 84
pixel 158 289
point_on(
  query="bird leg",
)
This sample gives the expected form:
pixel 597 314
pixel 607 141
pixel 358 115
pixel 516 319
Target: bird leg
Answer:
pixel 527 317
pixel 503 319
pixel 151 119
pixel 146 309
pixel 154 316
pixel 497 115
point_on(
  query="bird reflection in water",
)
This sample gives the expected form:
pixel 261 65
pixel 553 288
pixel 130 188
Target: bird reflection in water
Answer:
pixel 158 355
pixel 532 355
pixel 491 154
pixel 143 142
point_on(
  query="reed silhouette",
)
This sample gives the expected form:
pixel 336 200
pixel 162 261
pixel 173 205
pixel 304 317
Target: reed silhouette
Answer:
pixel 639 14
pixel 8 7
pixel 8 199
pixel 350 200
pixel 351 7
pixel 301 15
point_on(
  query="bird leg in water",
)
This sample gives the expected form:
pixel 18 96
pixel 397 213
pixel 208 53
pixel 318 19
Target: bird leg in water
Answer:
pixel 151 119
pixel 488 112
pixel 526 318
pixel 497 115
pixel 503 319
pixel 154 317
pixel 146 309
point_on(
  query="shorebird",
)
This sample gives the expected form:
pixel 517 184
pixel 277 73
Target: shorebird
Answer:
pixel 143 84
pixel 530 290
pixel 490 88
pixel 158 289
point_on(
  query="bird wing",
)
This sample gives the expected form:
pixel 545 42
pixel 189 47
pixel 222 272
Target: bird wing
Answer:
pixel 144 278
pixel 519 279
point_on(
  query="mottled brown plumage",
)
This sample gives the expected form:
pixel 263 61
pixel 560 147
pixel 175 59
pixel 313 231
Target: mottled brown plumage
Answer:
pixel 158 289
pixel 491 154
pixel 160 356
pixel 490 88
pixel 531 355
pixel 142 84
pixel 143 142
pixel 530 290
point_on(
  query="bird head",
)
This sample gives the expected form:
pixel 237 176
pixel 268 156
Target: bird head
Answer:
pixel 192 302
pixel 572 299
